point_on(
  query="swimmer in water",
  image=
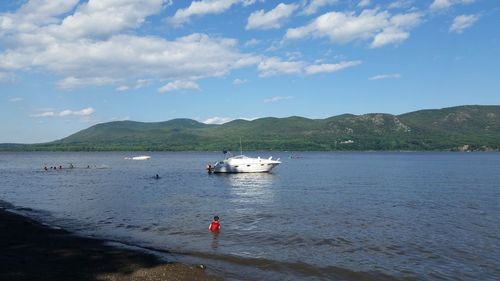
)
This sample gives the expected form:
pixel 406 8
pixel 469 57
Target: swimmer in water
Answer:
pixel 215 225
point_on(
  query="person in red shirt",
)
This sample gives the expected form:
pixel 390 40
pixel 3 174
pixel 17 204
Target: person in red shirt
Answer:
pixel 215 225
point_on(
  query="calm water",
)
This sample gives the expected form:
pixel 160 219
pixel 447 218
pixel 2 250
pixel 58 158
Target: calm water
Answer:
pixel 324 216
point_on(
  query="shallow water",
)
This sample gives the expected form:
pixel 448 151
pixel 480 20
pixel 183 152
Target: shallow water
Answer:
pixel 322 216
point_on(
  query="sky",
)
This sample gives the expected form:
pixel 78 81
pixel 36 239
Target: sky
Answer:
pixel 66 65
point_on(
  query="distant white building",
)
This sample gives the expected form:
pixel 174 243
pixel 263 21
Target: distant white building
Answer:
pixel 347 142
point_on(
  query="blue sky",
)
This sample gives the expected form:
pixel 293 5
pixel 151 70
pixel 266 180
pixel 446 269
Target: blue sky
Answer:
pixel 66 65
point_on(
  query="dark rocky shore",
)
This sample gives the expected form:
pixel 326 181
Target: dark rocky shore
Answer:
pixel 32 251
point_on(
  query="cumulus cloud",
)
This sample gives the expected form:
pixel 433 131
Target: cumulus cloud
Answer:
pixel 35 13
pixel 84 112
pixel 92 43
pixel 274 66
pixel 252 42
pixel 43 114
pixel 272 19
pixel 222 120
pixel 122 88
pixel 400 4
pixel 460 23
pixel 379 26
pixel 141 83
pixel 445 4
pixel 72 82
pixel 327 68
pixel 179 85
pixel 218 120
pixel 203 7
pixel 314 5
pixel 277 98
pixel 385 76
pixel 364 3
pixel 91 46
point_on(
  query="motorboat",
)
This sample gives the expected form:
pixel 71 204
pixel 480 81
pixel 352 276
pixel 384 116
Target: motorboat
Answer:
pixel 244 164
pixel 142 157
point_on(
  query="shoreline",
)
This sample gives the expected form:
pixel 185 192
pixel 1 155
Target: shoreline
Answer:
pixel 33 251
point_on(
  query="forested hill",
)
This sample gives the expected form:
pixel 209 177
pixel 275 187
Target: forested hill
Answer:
pixel 456 128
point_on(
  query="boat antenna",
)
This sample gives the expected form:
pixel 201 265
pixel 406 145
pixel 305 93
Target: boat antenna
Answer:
pixel 241 149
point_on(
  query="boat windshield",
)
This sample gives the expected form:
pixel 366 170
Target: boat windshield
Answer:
pixel 240 157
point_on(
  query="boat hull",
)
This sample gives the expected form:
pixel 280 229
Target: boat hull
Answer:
pixel 245 165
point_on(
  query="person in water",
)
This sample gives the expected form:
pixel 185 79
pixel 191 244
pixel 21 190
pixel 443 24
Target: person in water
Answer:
pixel 214 225
pixel 157 177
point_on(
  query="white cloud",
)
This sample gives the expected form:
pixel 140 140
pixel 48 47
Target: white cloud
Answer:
pixel 84 112
pixel 314 5
pixel 445 4
pixel 238 81
pixel 272 19
pixel 460 23
pixel 277 98
pixel 252 42
pixel 222 120
pixel 119 118
pixel 141 83
pixel 138 84
pixel 72 82
pixel 179 85
pixel 203 7
pixel 364 3
pixel 93 43
pixel 400 4
pixel 72 48
pixel 191 57
pixel 385 76
pixel 274 66
pixel 327 68
pixel 43 114
pixel 389 36
pixel 106 17
pixel 35 13
pixel 122 88
pixel 340 27
pixel 218 120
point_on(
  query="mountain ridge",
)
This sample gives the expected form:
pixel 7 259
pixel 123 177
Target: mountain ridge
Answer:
pixel 460 128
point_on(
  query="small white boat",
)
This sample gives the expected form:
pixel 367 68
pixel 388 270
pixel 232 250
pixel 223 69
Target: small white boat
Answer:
pixel 244 164
pixel 142 157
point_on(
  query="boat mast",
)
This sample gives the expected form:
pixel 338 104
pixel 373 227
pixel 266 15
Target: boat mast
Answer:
pixel 241 149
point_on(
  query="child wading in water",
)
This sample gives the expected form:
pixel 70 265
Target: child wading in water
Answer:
pixel 215 225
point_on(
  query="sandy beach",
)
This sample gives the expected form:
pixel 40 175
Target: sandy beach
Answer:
pixel 32 251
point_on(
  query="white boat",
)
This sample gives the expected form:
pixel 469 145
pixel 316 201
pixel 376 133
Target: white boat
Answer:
pixel 142 157
pixel 244 164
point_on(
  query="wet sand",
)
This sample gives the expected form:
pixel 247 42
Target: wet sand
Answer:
pixel 32 251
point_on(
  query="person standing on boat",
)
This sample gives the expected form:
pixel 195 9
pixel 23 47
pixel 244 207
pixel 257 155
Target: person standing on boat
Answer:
pixel 215 225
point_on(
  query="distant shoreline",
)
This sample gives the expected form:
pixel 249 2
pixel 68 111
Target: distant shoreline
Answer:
pixel 32 251
pixel 250 151
pixel 460 128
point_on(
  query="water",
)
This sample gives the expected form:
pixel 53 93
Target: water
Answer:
pixel 323 216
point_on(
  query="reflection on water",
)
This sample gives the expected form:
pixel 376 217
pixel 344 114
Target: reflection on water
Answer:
pixel 328 216
pixel 250 187
pixel 215 241
pixel 249 179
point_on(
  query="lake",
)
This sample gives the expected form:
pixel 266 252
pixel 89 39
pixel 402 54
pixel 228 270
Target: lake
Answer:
pixel 317 216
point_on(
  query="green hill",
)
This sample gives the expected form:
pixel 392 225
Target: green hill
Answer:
pixel 455 128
